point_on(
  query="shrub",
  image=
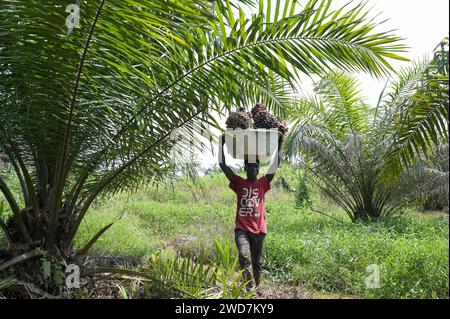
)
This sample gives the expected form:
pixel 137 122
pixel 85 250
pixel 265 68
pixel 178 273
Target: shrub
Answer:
pixel 302 196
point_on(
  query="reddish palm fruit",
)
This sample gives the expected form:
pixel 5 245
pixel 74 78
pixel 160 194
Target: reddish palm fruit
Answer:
pixel 259 107
pixel 239 119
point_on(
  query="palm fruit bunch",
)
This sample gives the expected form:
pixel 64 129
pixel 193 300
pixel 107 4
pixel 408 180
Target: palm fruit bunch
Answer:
pixel 259 107
pixel 257 118
pixel 263 119
pixel 239 119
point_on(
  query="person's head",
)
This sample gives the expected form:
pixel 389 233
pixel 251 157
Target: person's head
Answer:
pixel 252 168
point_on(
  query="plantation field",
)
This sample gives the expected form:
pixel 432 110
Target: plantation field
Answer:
pixel 307 255
pixel 111 116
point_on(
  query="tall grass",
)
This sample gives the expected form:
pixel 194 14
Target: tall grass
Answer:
pixel 411 253
pixel 302 247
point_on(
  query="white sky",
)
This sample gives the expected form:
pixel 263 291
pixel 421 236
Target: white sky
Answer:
pixel 423 24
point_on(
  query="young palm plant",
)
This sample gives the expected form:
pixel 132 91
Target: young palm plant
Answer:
pixel 428 179
pixel 89 110
pixel 358 153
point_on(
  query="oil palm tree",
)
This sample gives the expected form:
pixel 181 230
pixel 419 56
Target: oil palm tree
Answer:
pixel 427 181
pixel 88 111
pixel 358 153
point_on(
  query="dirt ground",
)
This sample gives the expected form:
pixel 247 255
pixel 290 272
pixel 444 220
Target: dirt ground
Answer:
pixel 291 291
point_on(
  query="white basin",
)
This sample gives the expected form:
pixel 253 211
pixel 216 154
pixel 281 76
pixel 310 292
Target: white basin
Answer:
pixel 251 143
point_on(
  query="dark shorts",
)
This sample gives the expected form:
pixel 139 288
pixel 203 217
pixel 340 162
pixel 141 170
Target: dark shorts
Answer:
pixel 250 248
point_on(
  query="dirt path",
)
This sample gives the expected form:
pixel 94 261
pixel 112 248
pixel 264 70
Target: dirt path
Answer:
pixel 290 291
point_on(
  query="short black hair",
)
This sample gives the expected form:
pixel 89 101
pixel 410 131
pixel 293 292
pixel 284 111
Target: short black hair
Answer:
pixel 246 161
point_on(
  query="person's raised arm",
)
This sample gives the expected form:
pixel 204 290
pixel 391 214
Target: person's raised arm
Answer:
pixel 223 166
pixel 277 161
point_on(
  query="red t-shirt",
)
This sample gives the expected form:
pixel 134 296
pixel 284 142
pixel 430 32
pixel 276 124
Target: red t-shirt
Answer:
pixel 250 213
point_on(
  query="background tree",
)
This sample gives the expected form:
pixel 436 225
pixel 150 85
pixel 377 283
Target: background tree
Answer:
pixel 427 181
pixel 359 153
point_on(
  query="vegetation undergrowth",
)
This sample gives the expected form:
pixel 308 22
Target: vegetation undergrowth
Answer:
pixel 302 248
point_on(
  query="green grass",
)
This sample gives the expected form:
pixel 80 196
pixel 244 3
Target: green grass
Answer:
pixel 413 260
pixel 302 247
